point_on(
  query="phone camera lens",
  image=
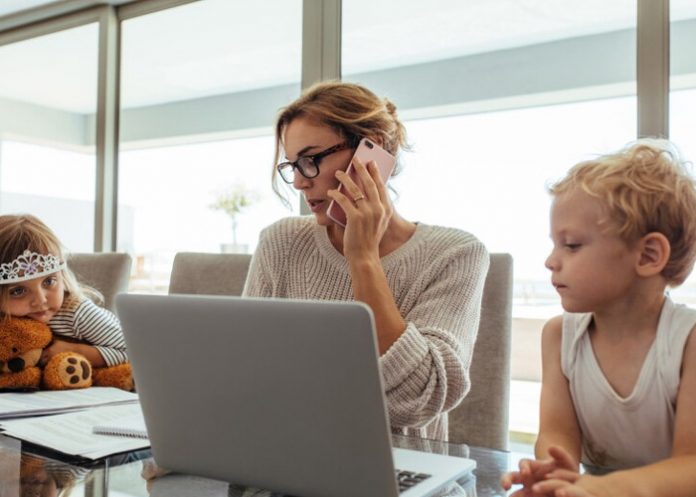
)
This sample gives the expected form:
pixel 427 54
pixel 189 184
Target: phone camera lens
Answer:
pixel 369 144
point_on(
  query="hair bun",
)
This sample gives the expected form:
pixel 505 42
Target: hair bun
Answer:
pixel 391 108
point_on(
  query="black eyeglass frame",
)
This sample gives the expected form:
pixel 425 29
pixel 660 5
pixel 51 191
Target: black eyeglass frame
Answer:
pixel 315 161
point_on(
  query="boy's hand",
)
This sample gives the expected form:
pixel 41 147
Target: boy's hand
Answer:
pixel 562 486
pixel 559 465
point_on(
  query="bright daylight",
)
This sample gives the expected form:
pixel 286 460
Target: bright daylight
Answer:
pixel 192 324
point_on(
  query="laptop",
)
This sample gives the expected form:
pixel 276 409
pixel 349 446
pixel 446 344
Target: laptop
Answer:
pixel 278 394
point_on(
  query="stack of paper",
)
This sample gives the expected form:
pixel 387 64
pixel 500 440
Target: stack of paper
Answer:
pixel 73 433
pixel 16 405
pixel 131 426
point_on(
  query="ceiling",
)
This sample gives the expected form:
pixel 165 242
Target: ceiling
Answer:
pixel 214 47
pixel 13 6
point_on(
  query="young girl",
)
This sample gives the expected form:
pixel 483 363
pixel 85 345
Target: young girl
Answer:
pixel 35 282
pixel 619 367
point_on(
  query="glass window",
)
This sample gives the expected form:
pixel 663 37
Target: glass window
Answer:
pixel 500 100
pixel 682 100
pixel 13 6
pixel 47 133
pixel 201 86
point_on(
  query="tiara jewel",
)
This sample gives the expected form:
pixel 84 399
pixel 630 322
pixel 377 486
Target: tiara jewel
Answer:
pixel 28 266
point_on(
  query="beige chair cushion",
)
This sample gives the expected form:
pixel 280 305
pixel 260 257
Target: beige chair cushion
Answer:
pixel 107 272
pixel 482 417
pixel 209 274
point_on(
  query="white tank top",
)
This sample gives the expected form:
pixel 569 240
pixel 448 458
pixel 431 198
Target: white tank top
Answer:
pixel 625 432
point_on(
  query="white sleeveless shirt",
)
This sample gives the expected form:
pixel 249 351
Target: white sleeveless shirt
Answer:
pixel 625 432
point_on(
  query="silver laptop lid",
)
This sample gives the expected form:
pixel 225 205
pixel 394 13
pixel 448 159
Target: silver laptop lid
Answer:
pixel 278 394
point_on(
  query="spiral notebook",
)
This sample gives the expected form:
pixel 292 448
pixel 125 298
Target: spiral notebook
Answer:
pixel 132 426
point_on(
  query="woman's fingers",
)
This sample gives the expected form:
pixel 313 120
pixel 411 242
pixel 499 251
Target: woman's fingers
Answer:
pixel 350 189
pixel 380 184
pixel 369 177
pixel 341 199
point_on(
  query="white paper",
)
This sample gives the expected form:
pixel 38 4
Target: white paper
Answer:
pixel 15 405
pixel 72 433
pixel 132 426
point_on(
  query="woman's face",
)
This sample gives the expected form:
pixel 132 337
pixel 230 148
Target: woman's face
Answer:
pixel 303 138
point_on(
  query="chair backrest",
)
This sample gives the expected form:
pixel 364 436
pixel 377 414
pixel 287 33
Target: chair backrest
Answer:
pixel 482 417
pixel 209 274
pixel 107 272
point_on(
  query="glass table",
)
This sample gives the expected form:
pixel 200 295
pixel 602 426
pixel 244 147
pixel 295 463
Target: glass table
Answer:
pixel 31 471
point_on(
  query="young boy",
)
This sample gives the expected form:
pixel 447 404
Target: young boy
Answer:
pixel 619 367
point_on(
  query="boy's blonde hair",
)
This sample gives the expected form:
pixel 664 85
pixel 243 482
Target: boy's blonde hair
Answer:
pixel 26 232
pixel 351 110
pixel 645 187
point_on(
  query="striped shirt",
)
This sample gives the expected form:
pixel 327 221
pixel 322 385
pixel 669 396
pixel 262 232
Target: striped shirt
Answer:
pixel 87 322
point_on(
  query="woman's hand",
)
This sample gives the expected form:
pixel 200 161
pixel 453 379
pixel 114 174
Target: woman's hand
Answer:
pixel 368 211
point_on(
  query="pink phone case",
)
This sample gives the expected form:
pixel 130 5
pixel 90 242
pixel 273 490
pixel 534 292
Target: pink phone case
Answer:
pixel 367 150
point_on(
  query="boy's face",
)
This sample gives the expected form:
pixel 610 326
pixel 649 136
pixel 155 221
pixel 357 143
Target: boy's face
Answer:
pixel 591 267
pixel 39 299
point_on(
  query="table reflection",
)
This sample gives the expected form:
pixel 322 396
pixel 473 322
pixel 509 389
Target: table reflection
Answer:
pixel 30 471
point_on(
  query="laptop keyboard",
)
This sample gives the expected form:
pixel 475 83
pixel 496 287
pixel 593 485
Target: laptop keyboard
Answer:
pixel 407 479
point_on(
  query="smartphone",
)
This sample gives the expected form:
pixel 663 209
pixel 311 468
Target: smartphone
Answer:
pixel 367 151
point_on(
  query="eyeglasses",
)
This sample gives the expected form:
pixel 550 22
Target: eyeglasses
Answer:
pixel 307 165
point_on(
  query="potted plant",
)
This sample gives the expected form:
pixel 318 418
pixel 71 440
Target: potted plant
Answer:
pixel 233 201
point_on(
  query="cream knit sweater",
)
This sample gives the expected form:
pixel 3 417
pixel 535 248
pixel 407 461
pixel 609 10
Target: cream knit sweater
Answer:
pixel 437 280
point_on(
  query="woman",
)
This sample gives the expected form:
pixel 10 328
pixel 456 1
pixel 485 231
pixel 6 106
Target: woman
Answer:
pixel 423 283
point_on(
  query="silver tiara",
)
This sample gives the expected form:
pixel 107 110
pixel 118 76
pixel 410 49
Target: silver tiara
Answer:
pixel 28 266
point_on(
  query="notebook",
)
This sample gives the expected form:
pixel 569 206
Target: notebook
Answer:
pixel 132 426
pixel 276 394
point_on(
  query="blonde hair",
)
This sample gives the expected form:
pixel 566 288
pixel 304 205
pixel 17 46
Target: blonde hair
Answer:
pixel 26 232
pixel 351 110
pixel 645 188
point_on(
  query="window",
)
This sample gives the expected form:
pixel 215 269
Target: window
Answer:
pixel 682 101
pixel 501 99
pixel 47 134
pixel 198 105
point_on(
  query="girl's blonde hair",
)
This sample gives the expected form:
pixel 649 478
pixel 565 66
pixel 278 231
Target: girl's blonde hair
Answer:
pixel 26 232
pixel 645 187
pixel 351 110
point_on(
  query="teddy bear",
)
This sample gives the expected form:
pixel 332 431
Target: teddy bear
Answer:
pixel 21 342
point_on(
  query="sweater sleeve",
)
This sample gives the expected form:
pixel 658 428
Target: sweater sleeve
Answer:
pixel 426 371
pixel 259 282
pixel 101 328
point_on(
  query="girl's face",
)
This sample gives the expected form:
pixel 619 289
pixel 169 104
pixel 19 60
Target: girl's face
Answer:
pixel 305 138
pixel 38 299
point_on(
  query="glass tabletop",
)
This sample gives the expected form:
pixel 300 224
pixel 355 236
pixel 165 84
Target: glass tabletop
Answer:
pixel 31 471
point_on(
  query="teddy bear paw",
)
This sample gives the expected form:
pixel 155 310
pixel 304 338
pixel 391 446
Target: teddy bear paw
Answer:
pixel 68 370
